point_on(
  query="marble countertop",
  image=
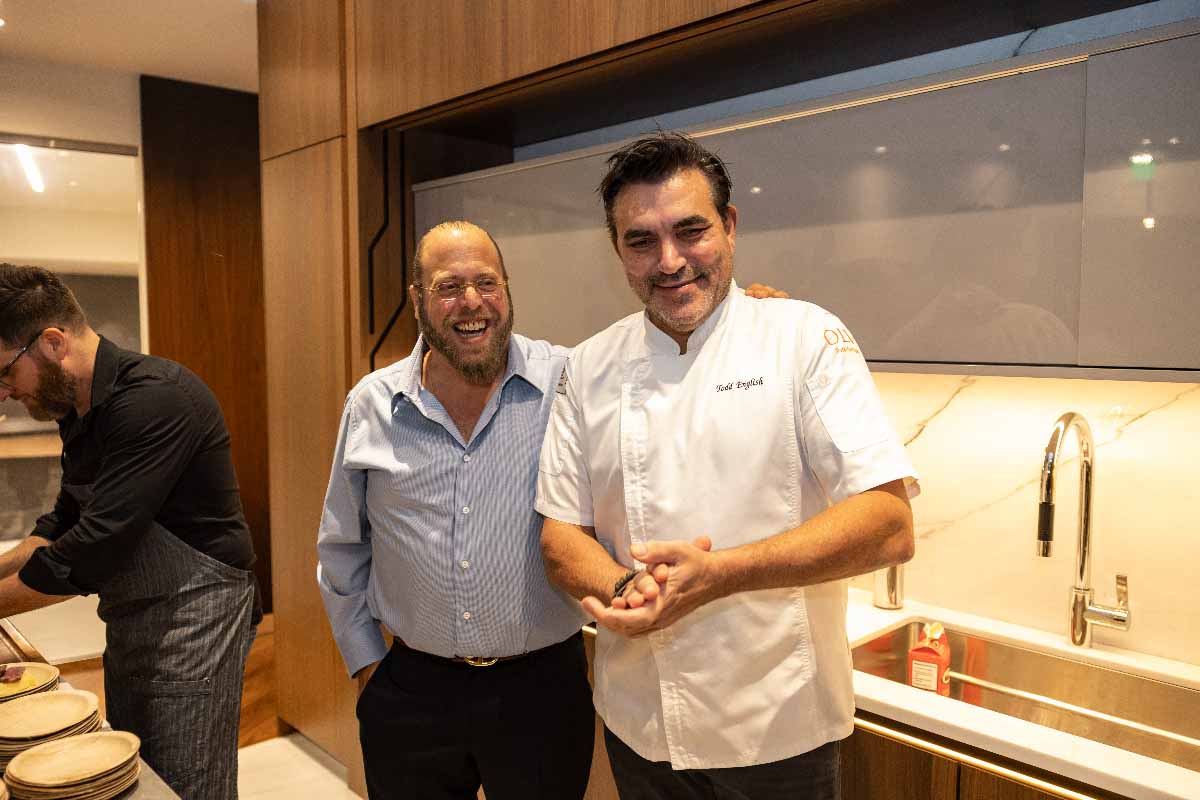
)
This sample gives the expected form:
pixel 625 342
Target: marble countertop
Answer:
pixel 1072 756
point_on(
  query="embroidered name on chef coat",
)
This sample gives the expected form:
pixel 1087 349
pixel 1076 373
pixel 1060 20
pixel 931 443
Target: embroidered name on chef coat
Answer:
pixel 746 384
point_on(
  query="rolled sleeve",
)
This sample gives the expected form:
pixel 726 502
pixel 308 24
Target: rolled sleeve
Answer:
pixel 563 488
pixel 344 559
pixel 848 441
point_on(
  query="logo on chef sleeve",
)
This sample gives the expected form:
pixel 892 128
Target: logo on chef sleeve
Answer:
pixel 561 388
pixel 841 340
pixel 749 383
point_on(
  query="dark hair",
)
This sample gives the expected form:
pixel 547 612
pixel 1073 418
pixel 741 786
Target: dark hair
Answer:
pixel 33 299
pixel 652 159
pixel 417 276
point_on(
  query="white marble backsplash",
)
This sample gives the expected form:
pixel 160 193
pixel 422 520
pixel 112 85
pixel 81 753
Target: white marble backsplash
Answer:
pixel 977 443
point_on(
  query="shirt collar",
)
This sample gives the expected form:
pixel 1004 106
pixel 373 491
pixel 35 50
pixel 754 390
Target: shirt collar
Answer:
pixel 658 342
pixel 104 371
pixel 408 380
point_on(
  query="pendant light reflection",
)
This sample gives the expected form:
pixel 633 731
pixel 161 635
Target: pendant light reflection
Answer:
pixel 32 173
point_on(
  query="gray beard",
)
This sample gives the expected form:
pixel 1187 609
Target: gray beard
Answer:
pixel 481 372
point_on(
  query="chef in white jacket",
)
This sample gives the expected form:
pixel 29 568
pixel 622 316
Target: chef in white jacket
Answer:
pixel 713 471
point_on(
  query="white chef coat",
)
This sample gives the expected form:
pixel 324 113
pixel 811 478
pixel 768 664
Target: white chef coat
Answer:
pixel 770 417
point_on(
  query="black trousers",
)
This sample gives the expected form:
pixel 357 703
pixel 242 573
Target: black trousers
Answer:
pixel 435 729
pixel 814 775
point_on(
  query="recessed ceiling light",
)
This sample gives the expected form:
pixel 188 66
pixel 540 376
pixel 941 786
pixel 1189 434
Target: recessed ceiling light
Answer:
pixel 73 183
pixel 881 150
pixel 755 190
pixel 1148 223
pixel 1004 148
pixel 2 22
pixel 1141 159
pixel 1146 142
pixel 1173 140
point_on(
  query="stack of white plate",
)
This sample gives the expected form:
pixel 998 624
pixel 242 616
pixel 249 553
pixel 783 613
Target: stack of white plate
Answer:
pixel 38 677
pixel 38 718
pixel 92 766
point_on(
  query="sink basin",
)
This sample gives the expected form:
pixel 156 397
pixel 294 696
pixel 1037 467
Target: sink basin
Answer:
pixel 1138 714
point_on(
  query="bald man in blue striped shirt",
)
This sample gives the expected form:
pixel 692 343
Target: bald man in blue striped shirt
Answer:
pixel 429 529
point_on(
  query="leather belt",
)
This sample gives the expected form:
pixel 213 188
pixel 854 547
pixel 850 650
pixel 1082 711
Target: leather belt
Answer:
pixel 474 661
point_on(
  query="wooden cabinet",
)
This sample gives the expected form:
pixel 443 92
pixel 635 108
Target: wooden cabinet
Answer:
pixel 1141 222
pixel 875 768
pixel 974 784
pixel 416 54
pixel 884 760
pixel 304 287
pixel 300 73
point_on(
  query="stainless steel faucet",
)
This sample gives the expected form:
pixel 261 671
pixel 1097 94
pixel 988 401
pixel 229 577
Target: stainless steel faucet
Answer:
pixel 1083 612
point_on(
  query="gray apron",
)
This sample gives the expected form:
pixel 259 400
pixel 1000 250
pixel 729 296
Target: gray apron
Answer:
pixel 180 625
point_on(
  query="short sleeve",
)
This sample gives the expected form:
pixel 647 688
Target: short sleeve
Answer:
pixel 845 436
pixel 564 491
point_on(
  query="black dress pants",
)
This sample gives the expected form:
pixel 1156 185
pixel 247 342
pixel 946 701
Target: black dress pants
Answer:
pixel 814 775
pixel 436 729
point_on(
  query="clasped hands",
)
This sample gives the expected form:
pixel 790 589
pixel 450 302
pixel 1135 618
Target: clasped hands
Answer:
pixel 678 579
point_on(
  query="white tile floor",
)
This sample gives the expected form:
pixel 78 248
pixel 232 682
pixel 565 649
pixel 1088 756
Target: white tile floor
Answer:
pixel 290 768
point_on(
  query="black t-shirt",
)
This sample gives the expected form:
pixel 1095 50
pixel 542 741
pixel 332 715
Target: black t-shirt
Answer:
pixel 154 447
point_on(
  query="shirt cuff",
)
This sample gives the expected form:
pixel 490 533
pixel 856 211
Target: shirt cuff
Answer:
pixel 43 574
pixel 361 647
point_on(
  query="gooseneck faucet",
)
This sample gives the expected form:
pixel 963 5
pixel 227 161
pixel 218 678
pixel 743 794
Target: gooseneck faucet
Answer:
pixel 1083 612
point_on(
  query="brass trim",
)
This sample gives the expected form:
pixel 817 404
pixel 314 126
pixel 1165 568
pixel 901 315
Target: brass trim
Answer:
pixel 978 763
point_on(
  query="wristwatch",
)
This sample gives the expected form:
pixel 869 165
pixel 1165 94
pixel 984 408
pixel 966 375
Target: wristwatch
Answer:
pixel 623 581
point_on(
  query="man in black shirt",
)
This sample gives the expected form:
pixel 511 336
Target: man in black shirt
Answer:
pixel 149 518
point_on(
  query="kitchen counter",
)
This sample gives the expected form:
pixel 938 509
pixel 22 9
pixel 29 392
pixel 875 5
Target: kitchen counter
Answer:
pixel 1074 757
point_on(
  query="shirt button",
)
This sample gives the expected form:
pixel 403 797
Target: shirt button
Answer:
pixel 467 457
pixel 465 564
pixel 466 509
pixel 466 615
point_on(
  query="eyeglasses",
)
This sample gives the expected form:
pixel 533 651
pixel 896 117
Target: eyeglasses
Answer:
pixel 452 290
pixel 13 360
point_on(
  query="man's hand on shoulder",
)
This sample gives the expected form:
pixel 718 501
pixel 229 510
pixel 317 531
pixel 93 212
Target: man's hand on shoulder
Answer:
pixel 679 578
pixel 760 291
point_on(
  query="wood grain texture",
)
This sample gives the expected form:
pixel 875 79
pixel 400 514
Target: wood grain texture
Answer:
pixel 259 720
pixel 875 768
pixel 975 784
pixel 31 445
pixel 300 73
pixel 204 266
pixel 304 268
pixel 415 54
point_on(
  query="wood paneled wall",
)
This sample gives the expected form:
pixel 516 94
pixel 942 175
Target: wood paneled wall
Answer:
pixel 204 275
pixel 300 73
pixel 417 54
pixel 304 263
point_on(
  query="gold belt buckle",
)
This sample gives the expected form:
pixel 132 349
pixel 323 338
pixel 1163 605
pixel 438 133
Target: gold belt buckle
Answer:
pixel 479 661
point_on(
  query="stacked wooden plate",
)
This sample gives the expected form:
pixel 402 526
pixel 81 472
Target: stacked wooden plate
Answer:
pixel 91 766
pixel 38 718
pixel 37 678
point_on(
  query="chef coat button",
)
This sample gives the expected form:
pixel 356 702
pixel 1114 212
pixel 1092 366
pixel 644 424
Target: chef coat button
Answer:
pixel 466 509
pixel 465 564
pixel 466 615
pixel 467 457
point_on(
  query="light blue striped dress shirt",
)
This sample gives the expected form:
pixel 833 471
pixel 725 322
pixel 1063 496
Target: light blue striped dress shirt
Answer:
pixel 434 536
